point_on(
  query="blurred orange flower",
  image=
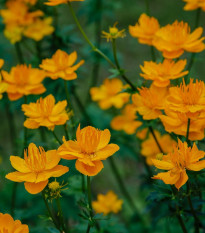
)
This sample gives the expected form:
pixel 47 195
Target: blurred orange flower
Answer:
pixel 58 2
pixel 39 29
pixel 110 94
pixel 9 225
pixel 45 113
pixel 194 4
pixel 3 85
pixel 108 203
pixel 145 29
pixel 92 146
pixel 36 168
pixel 150 101
pixel 177 162
pixel 127 121
pixel 24 80
pixel 61 65
pixel 173 39
pixel 162 73
pixel 150 149
pixel 113 33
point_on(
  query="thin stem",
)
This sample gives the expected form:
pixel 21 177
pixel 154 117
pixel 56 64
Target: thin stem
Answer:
pixel 187 132
pixel 118 65
pixel 56 137
pixel 66 131
pixel 155 138
pixel 88 228
pixel 153 53
pixel 60 212
pixel 19 53
pixel 67 95
pixel 147 7
pixel 25 129
pixel 89 202
pixel 13 198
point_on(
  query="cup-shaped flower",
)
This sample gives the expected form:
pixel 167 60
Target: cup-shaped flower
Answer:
pixel 127 121
pixel 145 29
pixel 110 93
pixel 194 4
pixel 45 113
pixel 9 225
pixel 162 73
pixel 150 149
pixel 36 168
pixel 173 39
pixel 3 85
pixel 61 65
pixel 24 80
pixel 113 33
pixel 58 2
pixel 150 101
pixel 108 203
pixel 177 162
pixel 91 146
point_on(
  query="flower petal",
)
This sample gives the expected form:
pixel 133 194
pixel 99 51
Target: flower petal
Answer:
pixel 89 170
pixel 52 159
pixel 196 166
pixel 21 177
pixel 182 180
pixel 19 164
pixel 105 152
pixel 34 188
pixel 104 139
pixel 162 164
pixel 167 177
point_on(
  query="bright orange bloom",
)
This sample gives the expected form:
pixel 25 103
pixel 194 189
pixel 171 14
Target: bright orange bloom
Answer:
pixel 177 162
pixel 36 168
pixel 145 30
pixel 9 225
pixel 108 203
pixel 45 113
pixel 24 80
pixel 194 4
pixel 142 134
pixel 113 33
pixel 39 29
pixel 150 148
pixel 110 94
pixel 61 65
pixel 162 73
pixel 3 85
pixel 58 2
pixel 92 146
pixel 127 121
pixel 172 40
pixel 150 101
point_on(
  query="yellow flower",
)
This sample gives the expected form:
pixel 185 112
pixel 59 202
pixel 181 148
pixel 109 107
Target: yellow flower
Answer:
pixel 13 33
pixel 150 101
pixel 172 40
pixel 3 85
pixel 194 4
pixel 9 225
pixel 113 33
pixel 61 65
pixel 24 80
pixel 127 121
pixel 58 2
pixel 36 168
pixel 177 162
pixel 162 73
pixel 45 113
pixel 108 203
pixel 150 149
pixel 145 30
pixel 39 29
pixel 110 94
pixel 90 147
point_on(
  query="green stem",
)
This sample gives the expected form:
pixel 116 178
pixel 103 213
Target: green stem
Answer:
pixel 187 132
pixel 114 48
pixel 19 53
pixel 25 129
pixel 88 228
pixel 56 137
pixel 155 138
pixel 89 202
pixel 60 212
pixel 66 132
pixel 13 198
pixel 153 53
pixel 67 95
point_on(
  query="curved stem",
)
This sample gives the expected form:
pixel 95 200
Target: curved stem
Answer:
pixel 155 138
pixel 60 212
pixel 118 65
pixel 56 137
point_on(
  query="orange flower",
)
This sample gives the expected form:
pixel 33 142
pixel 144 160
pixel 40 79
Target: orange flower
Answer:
pixel 36 168
pixel 150 149
pixel 14 33
pixel 3 85
pixel 23 80
pixel 39 29
pixel 9 225
pixel 177 162
pixel 172 40
pixel 194 4
pixel 107 203
pixel 142 134
pixel 89 149
pixel 162 73
pixel 58 2
pixel 145 30
pixel 176 122
pixel 61 65
pixel 127 121
pixel 110 94
pixel 113 33
pixel 45 113
pixel 150 101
